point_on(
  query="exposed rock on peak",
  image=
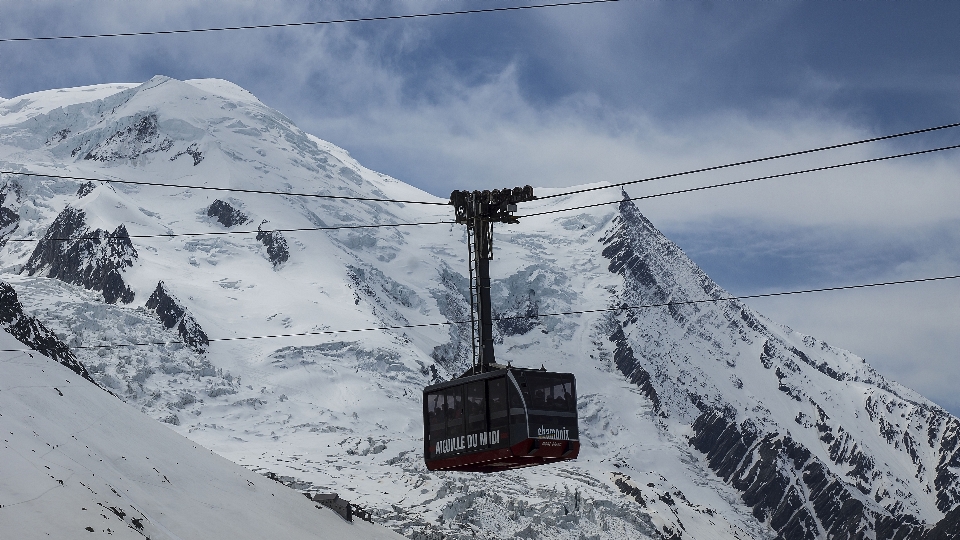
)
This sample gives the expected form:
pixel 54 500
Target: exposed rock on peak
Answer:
pixel 141 136
pixel 31 332
pixel 227 215
pixel 94 259
pixel 173 313
pixel 276 245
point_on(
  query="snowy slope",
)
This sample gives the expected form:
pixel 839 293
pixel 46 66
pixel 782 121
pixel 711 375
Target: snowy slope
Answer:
pixel 76 461
pixel 697 420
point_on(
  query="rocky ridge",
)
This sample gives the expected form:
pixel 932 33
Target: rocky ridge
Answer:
pixel 173 314
pixel 92 258
pixel 32 333
pixel 804 491
pixel 226 215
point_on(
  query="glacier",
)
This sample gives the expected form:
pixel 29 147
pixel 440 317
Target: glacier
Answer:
pixel 79 463
pixel 302 353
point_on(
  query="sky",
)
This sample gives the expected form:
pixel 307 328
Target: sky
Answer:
pixel 614 92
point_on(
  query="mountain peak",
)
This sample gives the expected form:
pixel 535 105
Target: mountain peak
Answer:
pixel 698 414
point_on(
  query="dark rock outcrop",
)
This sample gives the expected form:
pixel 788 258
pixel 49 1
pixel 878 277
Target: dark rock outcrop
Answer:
pixel 628 365
pixel 227 215
pixel 141 137
pixel 86 189
pixel 93 259
pixel 193 151
pixel 335 503
pixel 31 332
pixel 10 198
pixel 173 314
pixel 780 481
pixel 276 245
pixel 948 528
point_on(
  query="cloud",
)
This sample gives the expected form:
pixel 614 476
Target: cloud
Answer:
pixel 907 332
pixel 750 256
pixel 489 136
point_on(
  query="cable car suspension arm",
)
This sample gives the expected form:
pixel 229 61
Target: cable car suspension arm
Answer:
pixel 479 210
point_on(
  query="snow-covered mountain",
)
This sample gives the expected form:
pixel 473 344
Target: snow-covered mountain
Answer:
pixel 77 462
pixel 697 419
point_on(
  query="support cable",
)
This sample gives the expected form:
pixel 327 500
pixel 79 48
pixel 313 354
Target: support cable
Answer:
pixel 737 182
pixel 308 23
pixel 731 298
pixel 656 195
pixel 228 190
pixel 444 203
pixel 545 212
pixel 537 316
pixel 221 233
pixel 757 160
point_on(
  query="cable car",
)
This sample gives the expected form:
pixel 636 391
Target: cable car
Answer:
pixel 501 419
pixel 496 417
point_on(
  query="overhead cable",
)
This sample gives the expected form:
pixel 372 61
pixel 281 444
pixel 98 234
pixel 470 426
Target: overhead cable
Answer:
pixel 731 298
pixel 537 316
pixel 758 160
pixel 230 190
pixel 309 23
pixel 736 182
pixel 445 203
pixel 337 227
pixel 220 233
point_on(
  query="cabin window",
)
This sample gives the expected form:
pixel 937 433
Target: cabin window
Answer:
pixel 518 414
pixel 454 411
pixel 497 392
pixel 436 417
pixel 476 407
pixel 549 393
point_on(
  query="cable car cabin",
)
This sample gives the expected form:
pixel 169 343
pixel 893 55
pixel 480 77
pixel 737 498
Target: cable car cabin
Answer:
pixel 499 420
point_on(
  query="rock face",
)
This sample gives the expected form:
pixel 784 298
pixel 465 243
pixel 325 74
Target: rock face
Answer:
pixel 94 259
pixel 173 314
pixel 10 198
pixel 85 189
pixel 276 245
pixel 141 136
pixel 191 151
pixel 948 528
pixel 227 215
pixel 31 332
pixel 797 493
pixel 809 476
